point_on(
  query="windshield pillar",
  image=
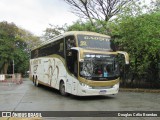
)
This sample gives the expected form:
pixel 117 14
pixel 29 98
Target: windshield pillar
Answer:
pixel 72 62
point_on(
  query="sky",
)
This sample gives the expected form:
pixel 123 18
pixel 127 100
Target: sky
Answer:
pixel 36 15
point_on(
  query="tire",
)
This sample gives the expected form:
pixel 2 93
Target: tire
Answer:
pixel 62 89
pixel 33 79
pixel 36 82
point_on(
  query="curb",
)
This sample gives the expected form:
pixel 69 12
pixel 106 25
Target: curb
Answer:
pixel 139 90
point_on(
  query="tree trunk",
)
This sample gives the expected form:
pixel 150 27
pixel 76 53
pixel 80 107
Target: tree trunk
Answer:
pixel 5 68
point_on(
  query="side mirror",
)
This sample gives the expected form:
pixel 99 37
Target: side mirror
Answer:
pixel 125 55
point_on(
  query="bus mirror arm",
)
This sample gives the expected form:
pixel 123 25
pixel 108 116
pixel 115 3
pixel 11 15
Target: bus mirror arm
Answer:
pixel 79 53
pixel 125 55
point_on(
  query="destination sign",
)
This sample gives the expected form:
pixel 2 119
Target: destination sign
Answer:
pixel 96 38
pixel 94 42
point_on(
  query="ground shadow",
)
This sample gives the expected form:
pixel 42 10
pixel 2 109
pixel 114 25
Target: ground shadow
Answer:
pixel 81 98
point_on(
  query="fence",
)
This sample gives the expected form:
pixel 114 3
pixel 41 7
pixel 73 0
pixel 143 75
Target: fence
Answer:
pixel 2 77
pixel 11 78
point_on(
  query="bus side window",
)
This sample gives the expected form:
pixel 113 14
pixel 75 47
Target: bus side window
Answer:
pixel 53 48
pixel 61 48
pixel 70 42
pixel 34 54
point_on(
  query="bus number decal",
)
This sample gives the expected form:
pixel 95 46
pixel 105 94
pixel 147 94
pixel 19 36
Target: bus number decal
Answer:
pixel 35 68
pixel 83 43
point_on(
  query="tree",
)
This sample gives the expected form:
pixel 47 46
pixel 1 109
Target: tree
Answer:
pixel 140 37
pixel 82 26
pixel 53 31
pixel 101 10
pixel 14 45
pixel 31 40
pixel 7 39
pixel 155 5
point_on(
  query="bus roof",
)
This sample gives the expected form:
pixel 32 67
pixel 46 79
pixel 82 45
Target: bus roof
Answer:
pixel 70 33
pixel 84 33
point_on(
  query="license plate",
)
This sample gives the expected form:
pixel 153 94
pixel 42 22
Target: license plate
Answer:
pixel 102 92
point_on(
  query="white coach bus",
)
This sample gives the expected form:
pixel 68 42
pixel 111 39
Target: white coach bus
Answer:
pixel 78 62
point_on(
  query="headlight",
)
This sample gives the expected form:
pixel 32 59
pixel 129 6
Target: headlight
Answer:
pixel 84 85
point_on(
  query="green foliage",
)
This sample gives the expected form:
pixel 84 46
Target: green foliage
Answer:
pixel 81 26
pixel 54 30
pixel 7 39
pixel 140 36
pixel 14 45
pixel 99 27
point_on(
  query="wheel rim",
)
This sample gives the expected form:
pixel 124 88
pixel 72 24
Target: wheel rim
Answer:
pixel 62 88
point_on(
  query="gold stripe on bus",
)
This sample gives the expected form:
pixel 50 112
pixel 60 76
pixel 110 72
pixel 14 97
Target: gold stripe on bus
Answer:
pixel 98 52
pixel 98 83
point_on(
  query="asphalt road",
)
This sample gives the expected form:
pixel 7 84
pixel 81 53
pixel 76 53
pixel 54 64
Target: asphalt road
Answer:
pixel 27 97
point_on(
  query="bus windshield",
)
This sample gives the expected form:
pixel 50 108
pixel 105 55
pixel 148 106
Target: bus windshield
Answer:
pixel 94 42
pixel 99 67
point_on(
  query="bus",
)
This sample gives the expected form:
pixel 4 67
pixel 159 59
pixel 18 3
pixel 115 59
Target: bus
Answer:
pixel 80 63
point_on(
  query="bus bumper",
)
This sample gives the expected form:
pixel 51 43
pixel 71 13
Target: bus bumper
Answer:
pixel 85 90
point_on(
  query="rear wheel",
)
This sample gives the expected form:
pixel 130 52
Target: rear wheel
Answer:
pixel 36 82
pixel 62 89
pixel 33 79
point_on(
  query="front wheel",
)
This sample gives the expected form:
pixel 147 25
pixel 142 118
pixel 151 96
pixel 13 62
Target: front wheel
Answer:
pixel 62 89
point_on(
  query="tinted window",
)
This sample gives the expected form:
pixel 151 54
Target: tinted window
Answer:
pixel 56 47
pixel 69 43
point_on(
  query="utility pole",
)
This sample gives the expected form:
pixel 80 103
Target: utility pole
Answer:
pixel 13 66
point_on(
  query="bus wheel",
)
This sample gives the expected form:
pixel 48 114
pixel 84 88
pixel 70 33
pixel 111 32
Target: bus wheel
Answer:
pixel 33 79
pixel 36 82
pixel 62 89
